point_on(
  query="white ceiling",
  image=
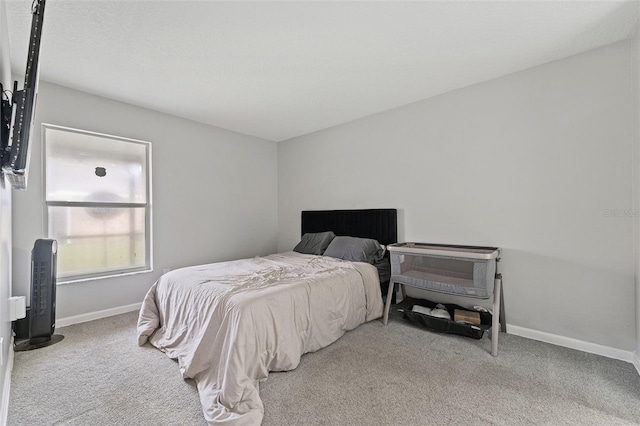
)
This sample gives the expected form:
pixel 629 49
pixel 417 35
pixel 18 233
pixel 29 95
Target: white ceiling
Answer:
pixel 282 69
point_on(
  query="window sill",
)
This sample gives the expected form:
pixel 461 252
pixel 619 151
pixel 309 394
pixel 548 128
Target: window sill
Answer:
pixel 71 280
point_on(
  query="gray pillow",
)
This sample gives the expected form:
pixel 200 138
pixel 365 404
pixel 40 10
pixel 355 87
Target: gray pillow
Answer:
pixel 314 243
pixel 355 249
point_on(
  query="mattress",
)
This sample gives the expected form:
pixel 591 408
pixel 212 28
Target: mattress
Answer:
pixel 229 324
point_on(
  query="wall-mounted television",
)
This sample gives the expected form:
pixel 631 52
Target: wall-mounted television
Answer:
pixel 15 149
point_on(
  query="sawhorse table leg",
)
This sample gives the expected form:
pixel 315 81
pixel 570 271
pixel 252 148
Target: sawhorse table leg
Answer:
pixel 387 305
pixel 495 320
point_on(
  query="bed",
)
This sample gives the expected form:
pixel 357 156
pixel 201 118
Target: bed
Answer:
pixel 229 324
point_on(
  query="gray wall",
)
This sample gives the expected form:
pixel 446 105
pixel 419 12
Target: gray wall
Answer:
pixel 530 162
pixel 635 44
pixel 214 195
pixel 5 225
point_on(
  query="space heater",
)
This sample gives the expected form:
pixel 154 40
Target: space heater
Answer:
pixel 42 313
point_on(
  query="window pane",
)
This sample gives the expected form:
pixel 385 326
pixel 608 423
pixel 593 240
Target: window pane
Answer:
pixel 92 168
pixel 95 239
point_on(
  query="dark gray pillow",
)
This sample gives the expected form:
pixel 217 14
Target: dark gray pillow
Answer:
pixel 314 243
pixel 355 249
pixel 384 270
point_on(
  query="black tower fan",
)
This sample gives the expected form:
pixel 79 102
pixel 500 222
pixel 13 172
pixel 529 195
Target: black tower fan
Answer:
pixel 42 313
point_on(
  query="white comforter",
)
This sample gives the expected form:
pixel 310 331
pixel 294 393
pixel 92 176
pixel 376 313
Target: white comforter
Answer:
pixel 228 324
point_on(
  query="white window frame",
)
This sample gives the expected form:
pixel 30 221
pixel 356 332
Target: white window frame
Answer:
pixel 148 208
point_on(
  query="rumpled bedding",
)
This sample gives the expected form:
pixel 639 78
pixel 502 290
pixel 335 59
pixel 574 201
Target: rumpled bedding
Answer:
pixel 228 324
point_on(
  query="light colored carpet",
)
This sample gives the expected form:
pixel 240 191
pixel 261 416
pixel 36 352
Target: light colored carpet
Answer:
pixel 374 375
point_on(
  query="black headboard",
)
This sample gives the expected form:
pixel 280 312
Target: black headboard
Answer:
pixel 379 224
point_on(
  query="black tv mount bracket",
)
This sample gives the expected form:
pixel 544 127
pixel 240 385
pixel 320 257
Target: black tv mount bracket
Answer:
pixel 5 124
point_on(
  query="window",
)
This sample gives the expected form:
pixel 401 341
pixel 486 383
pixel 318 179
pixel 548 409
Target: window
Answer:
pixel 97 195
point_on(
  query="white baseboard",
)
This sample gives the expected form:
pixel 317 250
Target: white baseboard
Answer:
pixel 6 386
pixel 580 345
pixel 636 362
pixel 90 316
